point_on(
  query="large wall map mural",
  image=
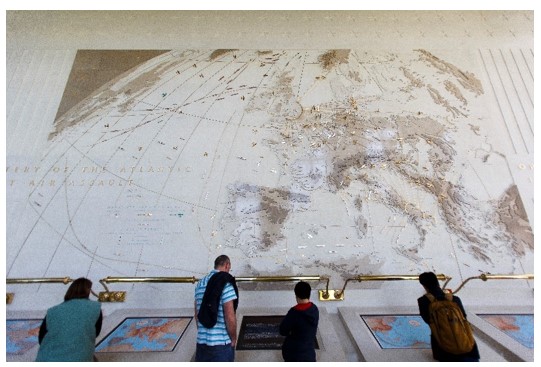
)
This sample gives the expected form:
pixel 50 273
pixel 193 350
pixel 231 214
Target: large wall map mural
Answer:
pixel 331 162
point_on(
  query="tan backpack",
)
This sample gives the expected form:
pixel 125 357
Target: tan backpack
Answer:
pixel 449 326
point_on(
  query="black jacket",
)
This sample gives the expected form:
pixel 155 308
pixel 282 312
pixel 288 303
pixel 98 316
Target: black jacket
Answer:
pixel 300 327
pixel 438 353
pixel 208 312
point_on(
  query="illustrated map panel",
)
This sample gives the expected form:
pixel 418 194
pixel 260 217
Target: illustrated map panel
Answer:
pixel 21 335
pixel 145 334
pixel 518 327
pixel 399 331
pixel 290 161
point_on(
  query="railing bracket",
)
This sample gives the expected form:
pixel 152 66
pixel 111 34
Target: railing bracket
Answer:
pixel 331 295
pixel 115 296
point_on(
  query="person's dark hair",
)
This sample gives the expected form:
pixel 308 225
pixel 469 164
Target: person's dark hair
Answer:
pixel 430 281
pixel 80 288
pixel 221 261
pixel 302 290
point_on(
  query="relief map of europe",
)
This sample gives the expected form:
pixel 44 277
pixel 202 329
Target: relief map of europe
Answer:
pixel 328 162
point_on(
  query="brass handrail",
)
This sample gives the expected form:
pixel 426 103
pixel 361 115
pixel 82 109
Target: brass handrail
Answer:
pixel 279 278
pixel 64 280
pixel 147 280
pixel 486 277
pixel 194 279
pixel 287 279
pixel 324 294
pixel 361 278
pixel 9 296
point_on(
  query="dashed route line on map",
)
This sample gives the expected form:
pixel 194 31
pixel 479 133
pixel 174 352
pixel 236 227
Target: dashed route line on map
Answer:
pixel 188 138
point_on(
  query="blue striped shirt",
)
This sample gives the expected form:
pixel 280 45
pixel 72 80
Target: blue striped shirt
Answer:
pixel 217 335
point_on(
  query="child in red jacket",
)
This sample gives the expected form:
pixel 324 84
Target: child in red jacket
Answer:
pixel 300 327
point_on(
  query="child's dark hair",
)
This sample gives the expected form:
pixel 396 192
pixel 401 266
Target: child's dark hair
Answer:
pixel 302 290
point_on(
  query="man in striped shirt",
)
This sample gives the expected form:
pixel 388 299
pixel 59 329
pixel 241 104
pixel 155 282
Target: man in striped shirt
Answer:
pixel 216 342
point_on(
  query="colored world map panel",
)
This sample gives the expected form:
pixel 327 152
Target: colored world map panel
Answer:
pixel 399 331
pixel 518 327
pixel 21 335
pixel 145 334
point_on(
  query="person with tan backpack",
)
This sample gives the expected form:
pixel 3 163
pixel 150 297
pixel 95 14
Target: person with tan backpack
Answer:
pixel 451 334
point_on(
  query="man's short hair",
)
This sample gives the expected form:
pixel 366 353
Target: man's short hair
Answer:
pixel 302 290
pixel 221 261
